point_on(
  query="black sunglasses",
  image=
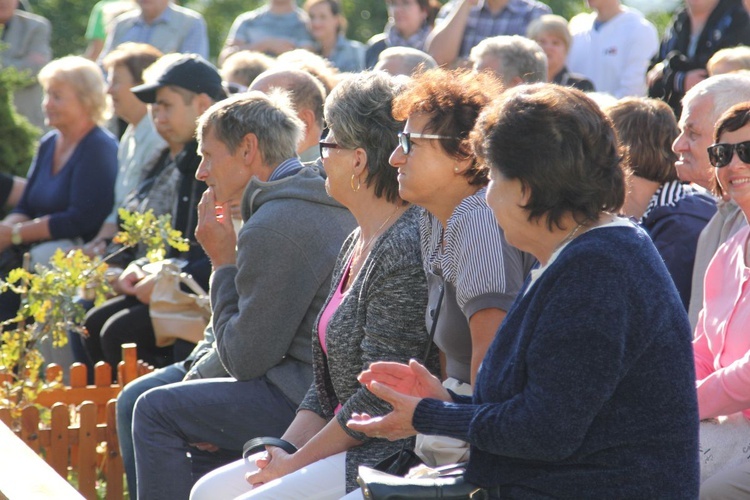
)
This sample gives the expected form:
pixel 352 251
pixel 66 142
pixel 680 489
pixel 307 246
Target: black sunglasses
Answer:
pixel 404 139
pixel 721 154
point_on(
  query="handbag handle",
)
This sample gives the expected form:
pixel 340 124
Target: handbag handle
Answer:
pixel 189 281
pixel 259 442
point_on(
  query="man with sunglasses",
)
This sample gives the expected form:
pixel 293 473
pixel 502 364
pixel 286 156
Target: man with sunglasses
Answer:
pixel 701 108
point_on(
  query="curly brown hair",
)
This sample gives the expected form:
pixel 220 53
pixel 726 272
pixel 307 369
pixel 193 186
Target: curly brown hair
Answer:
pixel 453 99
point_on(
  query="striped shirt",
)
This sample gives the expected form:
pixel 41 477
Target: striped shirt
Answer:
pixel 286 168
pixel 475 257
pixel 478 269
pixel 667 195
pixel 513 19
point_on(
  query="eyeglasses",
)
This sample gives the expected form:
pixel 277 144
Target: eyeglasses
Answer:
pixel 721 154
pixel 404 139
pixel 325 148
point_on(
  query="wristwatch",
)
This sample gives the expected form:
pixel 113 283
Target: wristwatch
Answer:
pixel 15 235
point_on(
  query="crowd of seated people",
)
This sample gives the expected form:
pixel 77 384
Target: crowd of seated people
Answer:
pixel 587 255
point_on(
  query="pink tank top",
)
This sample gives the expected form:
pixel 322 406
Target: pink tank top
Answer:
pixel 328 312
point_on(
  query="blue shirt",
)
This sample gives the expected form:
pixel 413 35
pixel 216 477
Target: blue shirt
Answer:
pixel 261 23
pixel 286 168
pixel 177 29
pixel 78 197
pixel 513 19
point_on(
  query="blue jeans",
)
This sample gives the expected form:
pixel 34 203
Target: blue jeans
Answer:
pixel 125 404
pixel 220 411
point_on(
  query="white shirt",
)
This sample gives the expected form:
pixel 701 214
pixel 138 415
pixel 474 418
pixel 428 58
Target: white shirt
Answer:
pixel 616 57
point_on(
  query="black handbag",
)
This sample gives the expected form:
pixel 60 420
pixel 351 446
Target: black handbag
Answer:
pixel 377 485
pixel 401 462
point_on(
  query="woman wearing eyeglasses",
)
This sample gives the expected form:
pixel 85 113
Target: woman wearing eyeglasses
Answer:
pixel 375 310
pixel 587 390
pixel 722 343
pixel 463 248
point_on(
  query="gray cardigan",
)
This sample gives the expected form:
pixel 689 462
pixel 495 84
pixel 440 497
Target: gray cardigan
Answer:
pixel 381 318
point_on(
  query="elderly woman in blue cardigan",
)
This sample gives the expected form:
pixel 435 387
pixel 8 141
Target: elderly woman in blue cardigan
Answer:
pixel 587 389
pixel 375 310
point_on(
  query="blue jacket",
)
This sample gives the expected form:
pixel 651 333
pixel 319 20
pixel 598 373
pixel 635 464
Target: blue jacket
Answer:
pixel 588 389
pixel 674 229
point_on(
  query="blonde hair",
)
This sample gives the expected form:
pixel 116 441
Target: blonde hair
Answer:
pixel 733 59
pixel 550 24
pixel 86 80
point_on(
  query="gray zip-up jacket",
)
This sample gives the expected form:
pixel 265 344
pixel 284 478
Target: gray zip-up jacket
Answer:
pixel 264 307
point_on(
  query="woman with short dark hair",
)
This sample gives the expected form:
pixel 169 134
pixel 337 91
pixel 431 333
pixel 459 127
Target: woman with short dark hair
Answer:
pixel 328 29
pixel 672 213
pixel 586 390
pixel 410 22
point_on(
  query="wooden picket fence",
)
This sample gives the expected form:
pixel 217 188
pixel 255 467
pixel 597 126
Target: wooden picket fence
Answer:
pixel 82 434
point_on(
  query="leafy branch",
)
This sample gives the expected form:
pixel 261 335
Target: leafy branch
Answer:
pixel 50 307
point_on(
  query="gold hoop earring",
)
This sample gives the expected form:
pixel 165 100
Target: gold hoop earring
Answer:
pixel 351 183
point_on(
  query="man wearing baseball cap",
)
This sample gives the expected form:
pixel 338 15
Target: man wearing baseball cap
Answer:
pixel 178 89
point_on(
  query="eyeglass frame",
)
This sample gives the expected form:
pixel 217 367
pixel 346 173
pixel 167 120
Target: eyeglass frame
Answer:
pixel 323 145
pixel 406 144
pixel 714 157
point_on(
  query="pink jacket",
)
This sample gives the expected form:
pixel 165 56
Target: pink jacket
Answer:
pixel 722 335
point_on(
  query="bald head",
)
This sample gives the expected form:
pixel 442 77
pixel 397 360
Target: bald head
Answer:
pixel 306 91
pixel 307 94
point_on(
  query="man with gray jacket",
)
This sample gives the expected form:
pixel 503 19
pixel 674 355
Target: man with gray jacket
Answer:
pixel 266 292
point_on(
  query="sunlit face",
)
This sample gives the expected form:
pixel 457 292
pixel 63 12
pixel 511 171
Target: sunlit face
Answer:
pixel 7 9
pixel 61 105
pixel 556 52
pixel 696 134
pixel 735 177
pixel 323 24
pixel 222 171
pixel 408 17
pixel 124 103
pixel 174 120
pixel 427 170
pixel 506 197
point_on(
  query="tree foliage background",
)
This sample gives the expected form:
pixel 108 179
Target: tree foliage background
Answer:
pixel 366 18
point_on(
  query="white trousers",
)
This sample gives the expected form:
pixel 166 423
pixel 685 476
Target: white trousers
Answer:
pixel 322 480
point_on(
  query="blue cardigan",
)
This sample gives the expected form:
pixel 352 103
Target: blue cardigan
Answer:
pixel 588 389
pixel 80 196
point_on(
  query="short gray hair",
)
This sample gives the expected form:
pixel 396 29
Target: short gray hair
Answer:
pixel 724 90
pixel 410 60
pixel 270 117
pixel 518 57
pixel 358 113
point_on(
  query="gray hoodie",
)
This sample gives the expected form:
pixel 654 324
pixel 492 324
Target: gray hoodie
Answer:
pixel 264 307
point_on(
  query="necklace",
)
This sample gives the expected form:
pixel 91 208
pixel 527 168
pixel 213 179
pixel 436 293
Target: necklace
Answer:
pixel 568 237
pixel 361 250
